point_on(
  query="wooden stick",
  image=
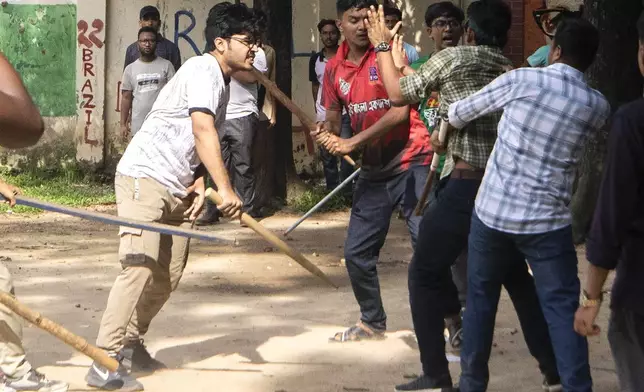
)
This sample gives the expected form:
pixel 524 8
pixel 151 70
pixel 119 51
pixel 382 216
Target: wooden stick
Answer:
pixel 274 240
pixel 275 91
pixel 115 220
pixel 59 331
pixel 420 207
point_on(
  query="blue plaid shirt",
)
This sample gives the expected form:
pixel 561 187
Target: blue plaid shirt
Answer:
pixel 549 114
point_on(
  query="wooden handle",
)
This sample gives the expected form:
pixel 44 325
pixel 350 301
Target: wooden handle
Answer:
pixel 274 240
pixel 275 91
pixel 60 332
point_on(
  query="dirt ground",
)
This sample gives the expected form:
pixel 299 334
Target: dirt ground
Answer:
pixel 245 318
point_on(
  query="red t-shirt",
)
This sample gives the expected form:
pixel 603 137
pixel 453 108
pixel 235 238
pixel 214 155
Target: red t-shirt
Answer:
pixel 358 88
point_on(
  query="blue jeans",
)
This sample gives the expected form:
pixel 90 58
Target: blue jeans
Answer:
pixel 374 202
pixel 553 260
pixel 433 295
pixel 330 161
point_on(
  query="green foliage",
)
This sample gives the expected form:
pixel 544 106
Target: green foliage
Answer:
pixel 70 186
pixel 311 197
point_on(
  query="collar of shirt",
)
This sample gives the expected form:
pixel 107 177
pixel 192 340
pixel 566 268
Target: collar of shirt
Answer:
pixel 343 53
pixel 568 70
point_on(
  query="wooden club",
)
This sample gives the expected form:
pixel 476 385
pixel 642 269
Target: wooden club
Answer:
pixel 274 240
pixel 59 331
pixel 272 89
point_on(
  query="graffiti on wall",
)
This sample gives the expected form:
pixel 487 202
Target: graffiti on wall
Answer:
pixel 40 41
pixel 89 41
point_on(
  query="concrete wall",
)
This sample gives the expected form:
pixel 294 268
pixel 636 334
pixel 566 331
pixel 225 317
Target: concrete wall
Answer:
pixel 71 53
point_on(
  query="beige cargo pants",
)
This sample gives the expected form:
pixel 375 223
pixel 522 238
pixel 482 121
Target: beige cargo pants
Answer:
pixel 12 355
pixel 152 263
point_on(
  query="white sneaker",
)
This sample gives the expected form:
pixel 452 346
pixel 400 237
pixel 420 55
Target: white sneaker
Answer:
pixel 33 382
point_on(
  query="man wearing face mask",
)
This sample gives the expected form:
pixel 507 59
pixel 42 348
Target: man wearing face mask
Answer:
pixel 150 17
pixel 395 161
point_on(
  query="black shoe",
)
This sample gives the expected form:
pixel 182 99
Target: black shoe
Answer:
pixel 423 384
pixel 101 378
pixel 209 217
pixel 136 358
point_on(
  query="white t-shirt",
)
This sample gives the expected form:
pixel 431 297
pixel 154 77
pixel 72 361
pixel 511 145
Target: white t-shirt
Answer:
pixel 164 148
pixel 320 65
pixel 243 97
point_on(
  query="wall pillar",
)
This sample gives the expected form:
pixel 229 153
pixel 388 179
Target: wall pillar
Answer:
pixel 90 81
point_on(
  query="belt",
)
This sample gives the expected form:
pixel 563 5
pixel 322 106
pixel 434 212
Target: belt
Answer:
pixel 467 174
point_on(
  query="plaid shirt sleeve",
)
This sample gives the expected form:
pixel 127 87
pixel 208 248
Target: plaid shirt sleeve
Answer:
pixel 490 99
pixel 418 86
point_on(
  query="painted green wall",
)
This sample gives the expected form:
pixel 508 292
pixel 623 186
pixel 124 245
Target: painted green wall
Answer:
pixel 40 41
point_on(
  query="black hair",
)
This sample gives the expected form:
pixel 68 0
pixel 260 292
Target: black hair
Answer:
pixel 148 29
pixel 490 20
pixel 391 10
pixel 343 6
pixel 327 22
pixel 579 42
pixel 640 27
pixel 227 19
pixel 444 8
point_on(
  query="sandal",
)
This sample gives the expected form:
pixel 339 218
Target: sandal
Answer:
pixel 357 333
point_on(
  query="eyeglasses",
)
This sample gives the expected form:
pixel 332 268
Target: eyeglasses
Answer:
pixel 246 43
pixel 548 19
pixel 442 23
pixel 147 41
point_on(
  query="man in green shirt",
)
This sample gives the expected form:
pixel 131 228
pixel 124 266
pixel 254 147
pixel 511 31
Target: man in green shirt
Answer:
pixel 444 25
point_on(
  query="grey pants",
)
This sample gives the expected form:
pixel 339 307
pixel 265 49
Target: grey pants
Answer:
pixel 626 338
pixel 236 137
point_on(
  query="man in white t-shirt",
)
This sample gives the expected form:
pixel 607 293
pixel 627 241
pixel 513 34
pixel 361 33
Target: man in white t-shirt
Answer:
pixel 329 36
pixel 236 136
pixel 160 178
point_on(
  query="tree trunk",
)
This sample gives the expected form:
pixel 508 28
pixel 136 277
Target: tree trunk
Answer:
pixel 286 183
pixel 615 73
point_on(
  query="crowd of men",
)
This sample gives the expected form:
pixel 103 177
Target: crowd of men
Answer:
pixel 498 215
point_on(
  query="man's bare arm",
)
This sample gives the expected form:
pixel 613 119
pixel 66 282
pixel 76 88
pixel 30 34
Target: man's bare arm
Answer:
pixel 20 122
pixel 126 106
pixel 391 79
pixel 245 77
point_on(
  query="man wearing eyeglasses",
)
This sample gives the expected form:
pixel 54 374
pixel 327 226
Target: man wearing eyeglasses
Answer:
pixel 237 135
pixel 455 73
pixel 547 18
pixel 149 16
pixel 142 82
pixel 160 178
pixel 444 22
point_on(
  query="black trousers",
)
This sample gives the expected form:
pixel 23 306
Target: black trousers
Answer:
pixel 236 137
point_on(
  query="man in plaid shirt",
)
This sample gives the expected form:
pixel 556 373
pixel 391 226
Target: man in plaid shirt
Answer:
pixel 457 73
pixel 522 208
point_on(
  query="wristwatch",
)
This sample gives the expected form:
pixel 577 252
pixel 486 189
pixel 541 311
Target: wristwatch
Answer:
pixel 586 302
pixel 383 47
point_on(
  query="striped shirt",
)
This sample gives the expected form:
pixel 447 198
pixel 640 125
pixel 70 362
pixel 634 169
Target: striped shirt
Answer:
pixel 456 73
pixel 164 148
pixel 548 115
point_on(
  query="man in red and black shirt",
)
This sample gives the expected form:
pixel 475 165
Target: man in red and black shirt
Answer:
pixel 395 162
